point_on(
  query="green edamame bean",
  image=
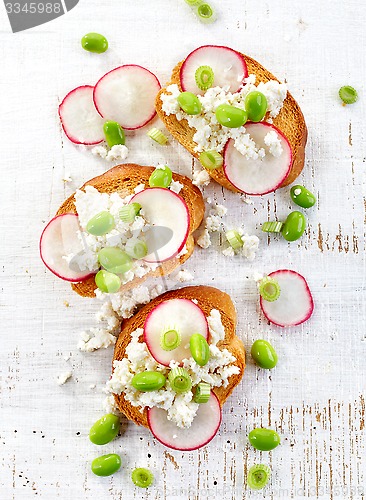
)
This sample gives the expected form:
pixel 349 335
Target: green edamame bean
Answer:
pixel 294 226
pixel 94 42
pixel 113 133
pixel 106 465
pixel 302 196
pixel 256 106
pixel 107 282
pixel 264 439
pixel 199 349
pixel 190 103
pixel 148 381
pixel 264 354
pixel 231 116
pixel 114 260
pixel 100 224
pixel 105 429
pixel 161 177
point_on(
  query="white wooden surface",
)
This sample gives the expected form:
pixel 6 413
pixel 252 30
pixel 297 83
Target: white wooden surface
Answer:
pixel 315 397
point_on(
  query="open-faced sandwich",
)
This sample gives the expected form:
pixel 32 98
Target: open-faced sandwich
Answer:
pixel 176 362
pixel 122 227
pixel 237 118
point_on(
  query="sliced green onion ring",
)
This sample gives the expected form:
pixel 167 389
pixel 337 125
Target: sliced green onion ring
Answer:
pixel 180 380
pixel 157 135
pixel 258 476
pixel 234 238
pixel 211 159
pixel 143 478
pixel 170 340
pixel 269 289
pixel 129 212
pixel 272 227
pixel 348 94
pixel 204 77
pixel 202 393
pixel 135 248
pixel 193 3
pixel 206 13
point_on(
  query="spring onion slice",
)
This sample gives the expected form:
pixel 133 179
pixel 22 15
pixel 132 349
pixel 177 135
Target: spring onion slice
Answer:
pixel 129 212
pixel 193 3
pixel 234 238
pixel 143 478
pixel 348 94
pixel 269 289
pixel 170 340
pixel 211 159
pixel 204 77
pixel 206 13
pixel 135 248
pixel 157 135
pixel 272 227
pixel 179 380
pixel 258 476
pixel 202 393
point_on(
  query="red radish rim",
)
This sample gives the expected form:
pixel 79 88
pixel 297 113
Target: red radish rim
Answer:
pixel 71 138
pixel 188 217
pixel 48 267
pixel 311 310
pixel 196 447
pixel 279 132
pixel 245 67
pixel 115 69
pixel 153 310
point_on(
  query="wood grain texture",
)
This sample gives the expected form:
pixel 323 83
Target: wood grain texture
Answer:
pixel 314 397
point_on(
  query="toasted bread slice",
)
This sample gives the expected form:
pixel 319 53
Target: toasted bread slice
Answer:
pixel 123 179
pixel 290 121
pixel 208 298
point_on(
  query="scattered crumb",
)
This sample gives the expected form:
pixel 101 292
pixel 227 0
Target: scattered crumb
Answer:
pixel 118 152
pixel 220 210
pixel 184 276
pixel 176 187
pixel 92 386
pixel 100 151
pixel 247 200
pixel 64 377
pixel 228 252
pixel 66 304
pixel 201 178
pixel 67 177
pixel 95 338
pixel 204 240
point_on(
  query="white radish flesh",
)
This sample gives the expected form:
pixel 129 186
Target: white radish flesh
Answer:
pixel 204 426
pixel 127 95
pixel 80 120
pixel 262 175
pixel 60 239
pixel 295 303
pixel 168 215
pixel 229 68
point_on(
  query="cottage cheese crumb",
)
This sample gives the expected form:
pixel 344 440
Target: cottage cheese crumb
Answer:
pixel 201 178
pixel 204 240
pixel 117 152
pixel 274 143
pixel 67 177
pixel 100 151
pixel 228 252
pixel 96 338
pixel 251 244
pixel 297 191
pixel 176 187
pixel 184 276
pixel 64 377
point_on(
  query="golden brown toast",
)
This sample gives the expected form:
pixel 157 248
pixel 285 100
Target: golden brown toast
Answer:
pixel 123 179
pixel 208 298
pixel 290 121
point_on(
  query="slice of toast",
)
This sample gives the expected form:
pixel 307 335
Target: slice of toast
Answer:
pixel 208 298
pixel 123 179
pixel 290 121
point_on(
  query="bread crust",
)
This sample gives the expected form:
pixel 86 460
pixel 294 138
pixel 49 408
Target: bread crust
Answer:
pixel 208 298
pixel 290 121
pixel 123 179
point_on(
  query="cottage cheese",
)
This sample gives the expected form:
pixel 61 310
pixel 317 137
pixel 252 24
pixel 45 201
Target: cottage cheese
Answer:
pixel 117 152
pixel 64 377
pixel 201 178
pixel 274 143
pixel 249 248
pixel 176 187
pixel 181 409
pixel 184 276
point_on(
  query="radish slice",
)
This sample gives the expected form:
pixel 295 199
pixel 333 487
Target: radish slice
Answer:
pixel 59 239
pixel 263 175
pixel 295 303
pixel 229 68
pixel 181 315
pixel 169 217
pixel 204 426
pixel 79 118
pixel 127 95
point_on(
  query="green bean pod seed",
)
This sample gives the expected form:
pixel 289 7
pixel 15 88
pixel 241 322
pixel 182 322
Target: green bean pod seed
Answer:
pixel 107 282
pixel 105 429
pixel 264 354
pixel 190 103
pixel 256 106
pixel 114 133
pixel 94 42
pixel 114 260
pixel 106 465
pixel 100 224
pixel 302 197
pixel 230 116
pixel 294 226
pixel 161 177
pixel 199 349
pixel 148 381
pixel 264 439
